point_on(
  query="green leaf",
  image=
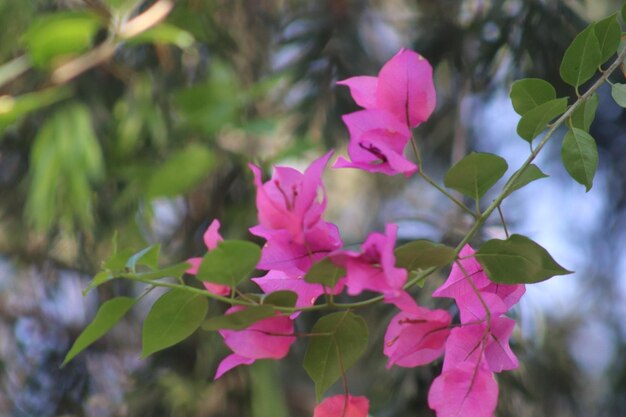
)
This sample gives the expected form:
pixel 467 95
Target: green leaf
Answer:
pixel 584 115
pixel 529 93
pixel 147 257
pixel 281 298
pixel 517 260
pixel 618 92
pixel 325 272
pixel 239 320
pixel 475 174
pixel 164 34
pixel 13 108
pixel 530 174
pixel 174 271
pixel 535 121
pixel 229 263
pixel 184 170
pixel 580 156
pixel 340 339
pixel 172 318
pixel 58 35
pixel 100 278
pixel 118 260
pixel 608 33
pixel 66 159
pixel 107 316
pixel 422 254
pixel 581 58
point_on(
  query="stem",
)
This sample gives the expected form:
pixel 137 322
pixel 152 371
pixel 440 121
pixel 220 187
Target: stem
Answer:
pixel 429 180
pixel 506 231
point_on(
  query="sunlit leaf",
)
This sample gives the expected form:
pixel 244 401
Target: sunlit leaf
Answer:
pixel 59 35
pixel 13 108
pixel 147 257
pixel 517 260
pixel 164 34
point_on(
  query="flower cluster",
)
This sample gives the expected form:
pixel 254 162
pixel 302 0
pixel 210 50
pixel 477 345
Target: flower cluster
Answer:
pixel 400 98
pixel 290 208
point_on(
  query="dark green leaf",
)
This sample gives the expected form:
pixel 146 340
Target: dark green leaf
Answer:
pixel 517 260
pixel 618 92
pixel 230 263
pixel 239 320
pixel 535 121
pixel 529 93
pixel 13 108
pixel 340 339
pixel 117 261
pixel 608 34
pixel 147 257
pixel 281 299
pixel 325 272
pixel 172 318
pixel 580 156
pixel 422 254
pixel 584 115
pixel 58 35
pixel 530 174
pixel 581 58
pixel 107 316
pixel 181 172
pixel 475 174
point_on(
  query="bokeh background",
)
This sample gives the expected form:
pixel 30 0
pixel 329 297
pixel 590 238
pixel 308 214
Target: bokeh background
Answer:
pixel 153 143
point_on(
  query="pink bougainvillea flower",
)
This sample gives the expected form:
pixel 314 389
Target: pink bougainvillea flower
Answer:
pixel 482 345
pixel 342 406
pixel 377 142
pixel 269 338
pixel 211 238
pixel 497 297
pixel 281 252
pixel 466 390
pixel 403 87
pixel 414 339
pixel 290 200
pixel 307 293
pixel 374 269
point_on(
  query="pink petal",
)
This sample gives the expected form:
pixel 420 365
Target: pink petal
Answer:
pixel 195 265
pixel 231 361
pixel 498 353
pixel 268 338
pixel 465 391
pixel 381 123
pixel 405 88
pixel 212 235
pixel 337 406
pixel 218 289
pixel 363 90
pixel 279 281
pixel 416 339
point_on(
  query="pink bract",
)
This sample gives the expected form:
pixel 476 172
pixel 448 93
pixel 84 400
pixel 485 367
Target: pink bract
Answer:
pixel 374 269
pixel 464 391
pixel 340 405
pixel 269 338
pixel 404 87
pixel 377 142
pixel 211 239
pixel 416 339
